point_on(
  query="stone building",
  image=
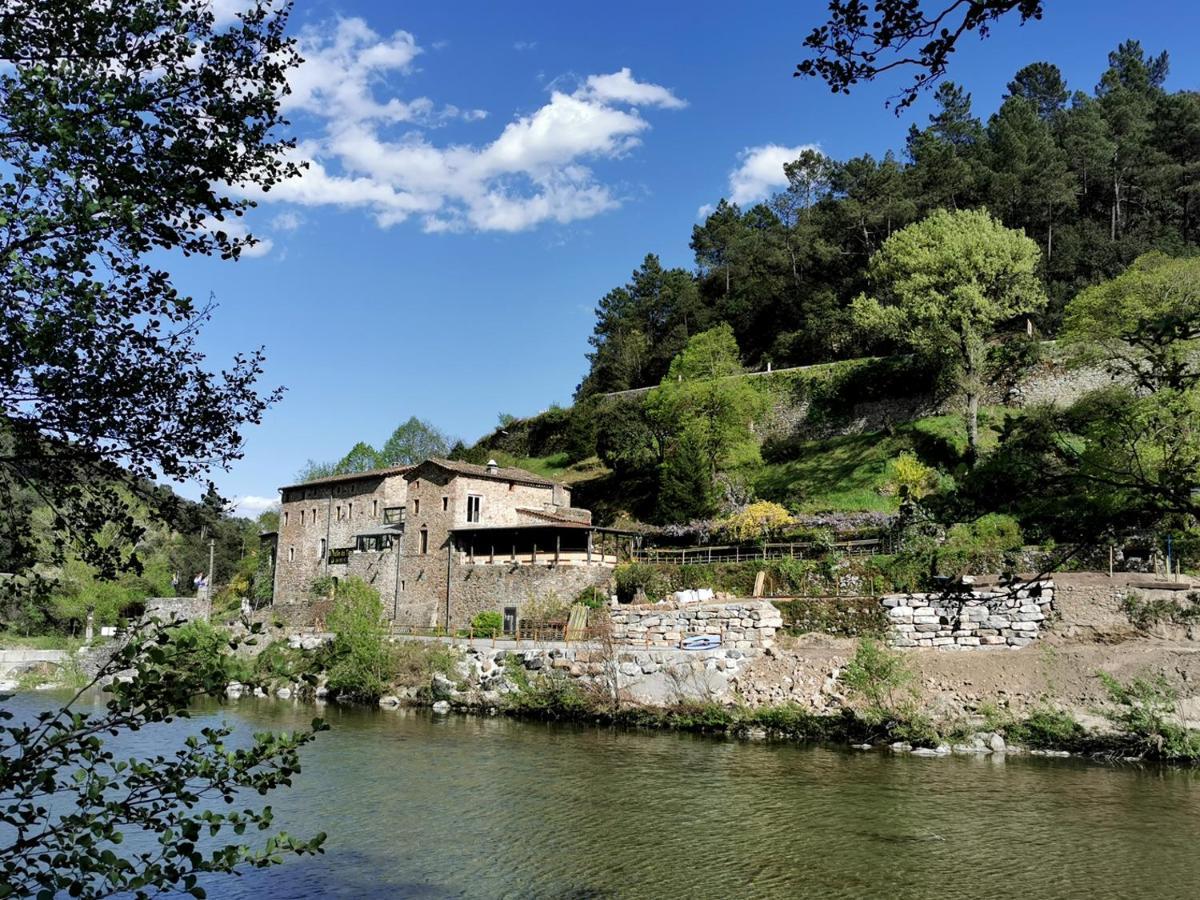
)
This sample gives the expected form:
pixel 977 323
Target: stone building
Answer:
pixel 443 540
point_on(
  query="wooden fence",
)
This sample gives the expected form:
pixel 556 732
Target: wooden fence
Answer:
pixel 748 553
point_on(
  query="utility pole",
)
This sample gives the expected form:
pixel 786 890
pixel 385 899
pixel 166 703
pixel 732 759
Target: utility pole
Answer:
pixel 209 580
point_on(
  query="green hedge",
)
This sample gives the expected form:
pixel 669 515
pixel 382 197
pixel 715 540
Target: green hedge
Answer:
pixel 848 616
pixel 784 577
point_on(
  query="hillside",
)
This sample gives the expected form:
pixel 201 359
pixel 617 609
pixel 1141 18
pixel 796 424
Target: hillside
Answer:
pixel 825 442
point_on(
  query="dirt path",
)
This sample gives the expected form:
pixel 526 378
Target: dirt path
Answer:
pixel 1090 634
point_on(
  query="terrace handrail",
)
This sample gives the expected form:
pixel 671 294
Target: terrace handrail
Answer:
pixel 706 553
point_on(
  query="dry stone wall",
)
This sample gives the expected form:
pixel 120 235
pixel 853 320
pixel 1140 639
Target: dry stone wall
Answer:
pixel 743 625
pixel 1007 616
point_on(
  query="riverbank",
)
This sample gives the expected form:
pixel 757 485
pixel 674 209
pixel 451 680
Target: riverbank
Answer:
pixel 1105 679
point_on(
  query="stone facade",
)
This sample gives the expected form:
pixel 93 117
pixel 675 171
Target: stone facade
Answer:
pixel 327 515
pixel 978 619
pixel 399 530
pixel 481 587
pixel 742 625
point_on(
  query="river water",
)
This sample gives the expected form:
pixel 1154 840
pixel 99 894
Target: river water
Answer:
pixel 417 805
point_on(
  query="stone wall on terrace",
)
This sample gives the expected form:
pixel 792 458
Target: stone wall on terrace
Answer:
pixel 1006 616
pixel 742 624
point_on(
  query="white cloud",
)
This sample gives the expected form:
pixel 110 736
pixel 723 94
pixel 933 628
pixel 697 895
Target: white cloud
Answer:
pixel 287 221
pixel 620 87
pixel 252 506
pixel 225 11
pixel 760 171
pixel 524 45
pixel 535 170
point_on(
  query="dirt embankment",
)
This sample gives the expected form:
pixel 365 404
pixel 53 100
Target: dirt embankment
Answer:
pixel 1090 633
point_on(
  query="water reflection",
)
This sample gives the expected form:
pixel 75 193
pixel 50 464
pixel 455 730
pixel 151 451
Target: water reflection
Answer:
pixel 418 806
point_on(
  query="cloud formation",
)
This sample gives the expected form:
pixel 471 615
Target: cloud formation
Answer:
pixel 252 506
pixel 759 172
pixel 535 170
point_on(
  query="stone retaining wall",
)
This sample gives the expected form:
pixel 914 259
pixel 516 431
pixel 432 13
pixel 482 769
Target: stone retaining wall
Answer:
pixel 742 625
pixel 168 608
pixel 656 677
pixel 1003 616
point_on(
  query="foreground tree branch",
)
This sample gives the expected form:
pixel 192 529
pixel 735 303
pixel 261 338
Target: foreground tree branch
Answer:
pixel 862 41
pixel 77 818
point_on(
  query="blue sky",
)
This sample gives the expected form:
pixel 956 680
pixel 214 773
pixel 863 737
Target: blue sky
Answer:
pixel 486 172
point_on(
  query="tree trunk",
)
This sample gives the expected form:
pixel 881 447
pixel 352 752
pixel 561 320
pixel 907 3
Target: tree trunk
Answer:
pixel 1049 232
pixel 972 427
pixel 1116 208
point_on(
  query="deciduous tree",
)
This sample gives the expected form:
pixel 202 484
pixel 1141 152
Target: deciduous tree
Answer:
pixel 121 127
pixel 1143 325
pixel 943 285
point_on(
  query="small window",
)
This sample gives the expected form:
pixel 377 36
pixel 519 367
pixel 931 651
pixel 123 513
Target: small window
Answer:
pixel 416 506
pixel 445 503
pixel 424 540
pixel 314 515
pixel 350 510
pixel 474 507
pixel 302 517
pixel 401 584
pixel 285 517
pixel 339 512
pixel 291 554
pixel 374 508
pixel 321 549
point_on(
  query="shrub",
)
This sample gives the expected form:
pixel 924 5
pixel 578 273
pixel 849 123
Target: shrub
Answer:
pixel 1047 729
pixel 553 695
pixel 909 478
pixel 361 666
pixel 1145 614
pixel 487 623
pixel 322 587
pixel 881 680
pixel 757 522
pixel 988 544
pixel 278 660
pixel 549 607
pixel 414 663
pixel 592 597
pixel 198 645
pixel 630 576
pixel 1147 714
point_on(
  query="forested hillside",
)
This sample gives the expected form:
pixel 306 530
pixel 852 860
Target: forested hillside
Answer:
pixel 927 283
pixel 1095 177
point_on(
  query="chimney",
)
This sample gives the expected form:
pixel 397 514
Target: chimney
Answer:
pixel 492 467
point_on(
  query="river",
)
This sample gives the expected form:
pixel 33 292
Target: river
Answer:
pixel 417 805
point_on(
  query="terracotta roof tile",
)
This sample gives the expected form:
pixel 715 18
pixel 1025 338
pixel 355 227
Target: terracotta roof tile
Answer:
pixel 500 473
pixel 352 476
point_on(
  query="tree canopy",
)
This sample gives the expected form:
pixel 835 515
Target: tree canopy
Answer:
pixel 944 285
pixel 1095 177
pixel 413 440
pixel 121 128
